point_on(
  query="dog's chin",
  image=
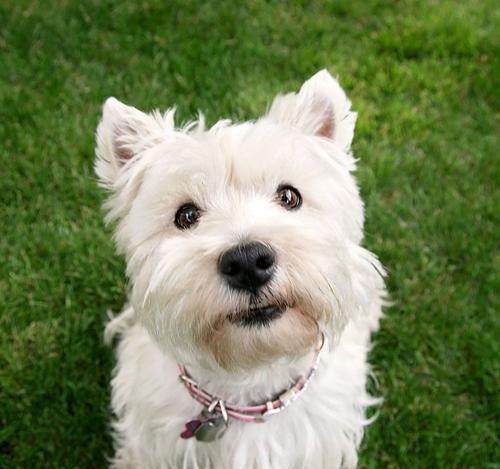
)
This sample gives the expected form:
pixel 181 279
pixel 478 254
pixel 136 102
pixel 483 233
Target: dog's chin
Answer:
pixel 259 335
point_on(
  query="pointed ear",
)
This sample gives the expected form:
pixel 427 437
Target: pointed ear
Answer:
pixel 122 135
pixel 320 108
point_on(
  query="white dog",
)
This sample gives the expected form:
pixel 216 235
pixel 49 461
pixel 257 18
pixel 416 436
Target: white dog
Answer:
pixel 247 275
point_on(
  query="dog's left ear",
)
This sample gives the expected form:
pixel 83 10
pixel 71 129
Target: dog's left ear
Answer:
pixel 320 108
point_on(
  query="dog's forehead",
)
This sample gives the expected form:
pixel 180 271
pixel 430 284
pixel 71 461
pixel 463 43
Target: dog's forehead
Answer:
pixel 256 153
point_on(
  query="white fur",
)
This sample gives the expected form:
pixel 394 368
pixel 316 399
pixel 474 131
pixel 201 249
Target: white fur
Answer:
pixel 232 171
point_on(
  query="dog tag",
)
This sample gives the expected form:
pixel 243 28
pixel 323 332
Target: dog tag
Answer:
pixel 190 428
pixel 212 428
pixel 206 427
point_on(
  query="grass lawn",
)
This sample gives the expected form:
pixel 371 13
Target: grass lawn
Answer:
pixel 424 76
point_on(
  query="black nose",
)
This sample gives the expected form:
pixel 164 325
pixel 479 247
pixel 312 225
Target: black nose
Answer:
pixel 248 266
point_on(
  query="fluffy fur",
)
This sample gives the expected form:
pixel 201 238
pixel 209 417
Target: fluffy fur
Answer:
pixel 180 307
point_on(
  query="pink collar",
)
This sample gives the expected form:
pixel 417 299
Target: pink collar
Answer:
pixel 207 426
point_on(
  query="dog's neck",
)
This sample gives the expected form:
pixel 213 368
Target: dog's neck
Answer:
pixel 251 387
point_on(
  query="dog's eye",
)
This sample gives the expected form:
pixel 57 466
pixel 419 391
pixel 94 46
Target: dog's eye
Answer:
pixel 187 216
pixel 289 197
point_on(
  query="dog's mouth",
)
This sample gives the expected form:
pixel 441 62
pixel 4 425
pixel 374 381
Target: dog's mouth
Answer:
pixel 258 316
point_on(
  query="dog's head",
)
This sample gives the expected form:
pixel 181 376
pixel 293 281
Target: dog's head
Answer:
pixel 242 240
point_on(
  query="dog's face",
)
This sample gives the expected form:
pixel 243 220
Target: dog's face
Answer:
pixel 241 240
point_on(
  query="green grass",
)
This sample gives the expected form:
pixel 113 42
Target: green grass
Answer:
pixel 424 76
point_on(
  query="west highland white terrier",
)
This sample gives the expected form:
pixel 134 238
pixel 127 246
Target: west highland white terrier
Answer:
pixel 244 343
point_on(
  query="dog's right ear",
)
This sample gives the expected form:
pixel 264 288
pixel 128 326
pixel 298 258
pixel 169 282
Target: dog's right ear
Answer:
pixel 123 135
